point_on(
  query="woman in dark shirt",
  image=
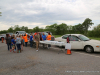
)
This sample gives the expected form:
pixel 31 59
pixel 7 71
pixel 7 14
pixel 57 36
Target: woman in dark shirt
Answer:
pixel 8 41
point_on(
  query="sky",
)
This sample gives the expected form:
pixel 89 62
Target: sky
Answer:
pixel 32 13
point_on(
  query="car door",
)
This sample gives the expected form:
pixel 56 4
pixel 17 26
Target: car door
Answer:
pixel 76 43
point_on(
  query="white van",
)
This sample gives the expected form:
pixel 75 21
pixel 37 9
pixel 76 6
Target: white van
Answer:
pixel 20 32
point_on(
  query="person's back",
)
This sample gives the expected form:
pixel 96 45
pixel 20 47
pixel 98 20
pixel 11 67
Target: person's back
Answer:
pixel 31 38
pixel 18 40
pixel 8 39
pixel 25 39
pixel 13 41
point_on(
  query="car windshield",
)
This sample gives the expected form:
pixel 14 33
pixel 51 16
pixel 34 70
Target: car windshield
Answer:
pixel 21 32
pixel 84 38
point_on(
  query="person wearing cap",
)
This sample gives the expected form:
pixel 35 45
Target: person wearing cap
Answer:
pixel 37 39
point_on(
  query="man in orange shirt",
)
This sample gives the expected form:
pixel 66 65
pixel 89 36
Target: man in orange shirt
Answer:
pixel 49 38
pixel 25 39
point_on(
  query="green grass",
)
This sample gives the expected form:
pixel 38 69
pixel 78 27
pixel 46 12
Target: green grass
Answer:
pixel 57 36
pixel 95 38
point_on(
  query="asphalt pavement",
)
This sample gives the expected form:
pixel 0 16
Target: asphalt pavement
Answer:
pixel 48 62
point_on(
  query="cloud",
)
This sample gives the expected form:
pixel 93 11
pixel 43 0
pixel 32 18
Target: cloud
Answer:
pixel 47 12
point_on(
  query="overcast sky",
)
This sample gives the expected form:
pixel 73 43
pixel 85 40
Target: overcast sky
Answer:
pixel 32 13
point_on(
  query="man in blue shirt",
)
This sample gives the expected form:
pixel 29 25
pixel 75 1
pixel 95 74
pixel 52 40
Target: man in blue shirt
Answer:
pixel 31 40
pixel 43 38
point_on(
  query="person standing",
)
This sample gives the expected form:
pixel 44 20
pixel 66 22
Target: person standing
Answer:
pixel 43 38
pixel 37 39
pixel 18 43
pixel 22 42
pixel 13 44
pixel 25 39
pixel 49 38
pixel 31 40
pixel 8 41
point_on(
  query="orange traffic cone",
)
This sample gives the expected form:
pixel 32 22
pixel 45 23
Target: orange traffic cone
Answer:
pixel 2 40
pixel 68 51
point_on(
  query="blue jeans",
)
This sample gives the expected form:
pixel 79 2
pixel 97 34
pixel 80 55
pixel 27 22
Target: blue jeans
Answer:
pixel 26 44
pixel 18 46
pixel 9 45
pixel 31 43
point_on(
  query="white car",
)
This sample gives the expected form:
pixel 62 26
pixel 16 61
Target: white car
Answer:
pixel 79 41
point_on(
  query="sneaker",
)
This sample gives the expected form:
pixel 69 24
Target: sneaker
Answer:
pixel 36 50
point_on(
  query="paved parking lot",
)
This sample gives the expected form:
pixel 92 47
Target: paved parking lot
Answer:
pixel 48 62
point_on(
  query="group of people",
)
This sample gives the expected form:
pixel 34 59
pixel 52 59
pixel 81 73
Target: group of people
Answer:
pixel 21 40
pixel 36 38
pixel 13 41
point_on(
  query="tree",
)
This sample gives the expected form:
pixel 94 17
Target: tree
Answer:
pixel 96 31
pixel 30 30
pixel 78 28
pixel 51 28
pixel 36 29
pixel 3 31
pixel 10 29
pixel 17 28
pixel 22 28
pixel 41 30
pixel 61 29
pixel 26 29
pixel 86 24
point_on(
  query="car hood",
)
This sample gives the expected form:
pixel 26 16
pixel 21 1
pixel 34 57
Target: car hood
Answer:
pixel 94 41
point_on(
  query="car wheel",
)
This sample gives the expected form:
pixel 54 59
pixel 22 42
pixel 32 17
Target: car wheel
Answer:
pixel 89 49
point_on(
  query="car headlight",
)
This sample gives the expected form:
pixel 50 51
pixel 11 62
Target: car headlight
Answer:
pixel 98 46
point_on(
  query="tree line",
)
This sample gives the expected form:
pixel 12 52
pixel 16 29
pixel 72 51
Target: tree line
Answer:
pixel 61 29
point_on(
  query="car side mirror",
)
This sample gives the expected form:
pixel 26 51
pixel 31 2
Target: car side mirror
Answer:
pixel 62 37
